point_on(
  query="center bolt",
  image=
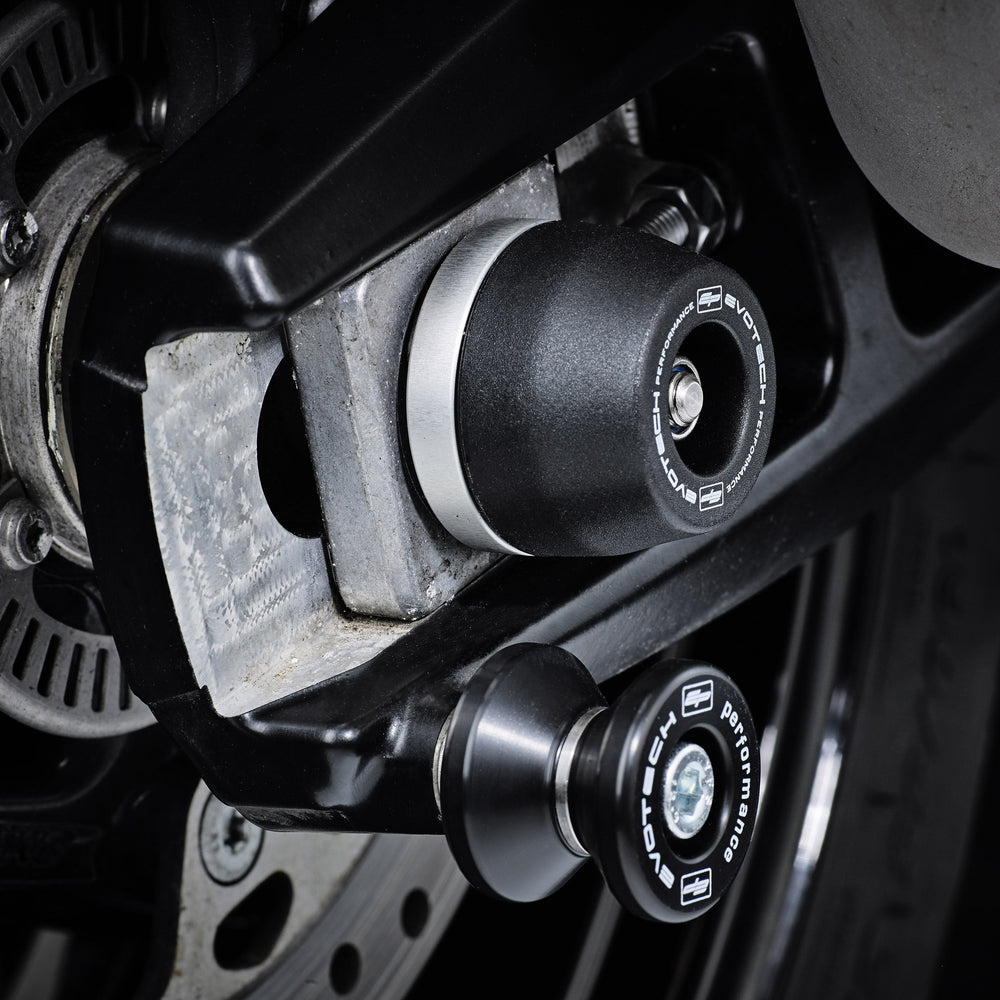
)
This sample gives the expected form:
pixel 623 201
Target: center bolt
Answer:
pixel 685 398
pixel 689 789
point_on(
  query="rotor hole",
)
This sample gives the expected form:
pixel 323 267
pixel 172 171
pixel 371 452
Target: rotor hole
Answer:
pixel 97 695
pixel 249 932
pixel 283 462
pixel 124 691
pixel 5 142
pixel 20 664
pixel 345 969
pixel 15 96
pixel 415 913
pixel 60 39
pixel 7 619
pixel 44 685
pixel 136 27
pixel 89 30
pixel 72 691
pixel 38 75
pixel 117 32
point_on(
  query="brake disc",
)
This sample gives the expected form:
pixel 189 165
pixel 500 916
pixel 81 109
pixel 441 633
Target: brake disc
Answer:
pixel 248 896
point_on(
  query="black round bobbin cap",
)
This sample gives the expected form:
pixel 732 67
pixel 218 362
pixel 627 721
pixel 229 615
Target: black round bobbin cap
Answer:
pixel 620 790
pixel 558 432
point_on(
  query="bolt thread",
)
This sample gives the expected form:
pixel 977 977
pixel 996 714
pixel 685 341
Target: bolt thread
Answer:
pixel 659 218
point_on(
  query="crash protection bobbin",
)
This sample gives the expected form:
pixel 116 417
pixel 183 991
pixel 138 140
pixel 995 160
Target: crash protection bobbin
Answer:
pixel 536 773
pixel 576 389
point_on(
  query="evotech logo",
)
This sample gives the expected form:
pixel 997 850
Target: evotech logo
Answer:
pixel 709 299
pixel 711 496
pixel 697 698
pixel 696 886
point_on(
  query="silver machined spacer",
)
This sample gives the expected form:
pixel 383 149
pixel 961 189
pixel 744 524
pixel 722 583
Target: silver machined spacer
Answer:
pixel 685 398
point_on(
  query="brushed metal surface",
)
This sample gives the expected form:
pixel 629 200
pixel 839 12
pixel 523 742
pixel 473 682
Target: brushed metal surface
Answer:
pixel 254 601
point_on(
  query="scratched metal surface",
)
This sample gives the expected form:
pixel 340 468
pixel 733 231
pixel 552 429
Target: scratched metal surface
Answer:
pixel 253 601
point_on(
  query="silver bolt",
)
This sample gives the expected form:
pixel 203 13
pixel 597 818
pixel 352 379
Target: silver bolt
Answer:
pixel 25 534
pixel 229 844
pixel 18 238
pixel 685 398
pixel 689 788
pixel 660 218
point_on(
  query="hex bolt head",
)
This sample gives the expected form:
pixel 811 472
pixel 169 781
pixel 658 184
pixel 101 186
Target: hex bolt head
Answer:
pixel 18 238
pixel 689 789
pixel 228 843
pixel 25 534
pixel 680 205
